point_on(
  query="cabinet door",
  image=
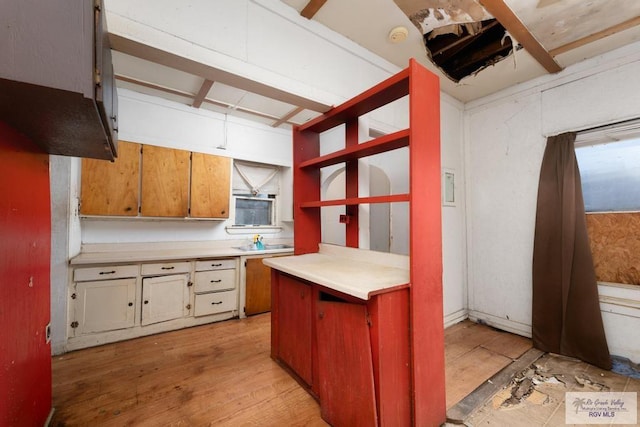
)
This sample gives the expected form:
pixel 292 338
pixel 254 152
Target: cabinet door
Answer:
pixel 294 323
pixel 111 188
pixel 164 298
pixel 345 366
pixel 258 287
pixel 104 305
pixel 165 182
pixel 210 186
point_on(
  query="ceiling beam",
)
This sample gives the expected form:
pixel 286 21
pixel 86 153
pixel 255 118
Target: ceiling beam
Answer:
pixel 516 28
pixel 312 8
pixel 202 93
pixel 205 71
pixel 630 23
pixel 287 116
pixel 153 86
pixel 190 95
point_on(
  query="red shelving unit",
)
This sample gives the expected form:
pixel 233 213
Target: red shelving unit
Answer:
pixel 421 314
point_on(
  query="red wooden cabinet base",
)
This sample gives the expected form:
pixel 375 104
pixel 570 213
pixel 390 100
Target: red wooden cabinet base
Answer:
pixel 353 355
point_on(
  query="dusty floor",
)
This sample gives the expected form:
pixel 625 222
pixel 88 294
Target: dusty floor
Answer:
pixel 536 396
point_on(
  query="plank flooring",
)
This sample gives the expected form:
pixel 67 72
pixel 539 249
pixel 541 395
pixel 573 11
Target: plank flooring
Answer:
pixel 221 374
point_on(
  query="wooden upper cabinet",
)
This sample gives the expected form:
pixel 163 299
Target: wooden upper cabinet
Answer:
pixel 165 182
pixel 156 183
pixel 210 181
pixel 111 188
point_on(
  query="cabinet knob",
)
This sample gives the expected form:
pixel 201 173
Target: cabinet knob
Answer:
pixel 146 301
pixel 188 306
pixel 130 304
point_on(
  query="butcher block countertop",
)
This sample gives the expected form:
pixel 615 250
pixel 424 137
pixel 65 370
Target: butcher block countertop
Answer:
pixel 357 272
pixel 167 251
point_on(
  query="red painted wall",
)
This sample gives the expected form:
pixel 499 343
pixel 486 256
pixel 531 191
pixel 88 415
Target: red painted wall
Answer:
pixel 25 249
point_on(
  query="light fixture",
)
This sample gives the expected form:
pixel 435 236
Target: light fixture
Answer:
pixel 398 34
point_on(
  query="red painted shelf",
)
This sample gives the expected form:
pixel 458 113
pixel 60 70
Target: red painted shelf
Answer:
pixel 395 87
pixel 394 198
pixel 383 144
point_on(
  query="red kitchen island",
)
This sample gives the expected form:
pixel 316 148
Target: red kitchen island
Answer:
pixel 363 330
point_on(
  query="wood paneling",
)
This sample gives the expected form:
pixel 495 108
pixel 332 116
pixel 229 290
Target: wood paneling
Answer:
pixel 165 182
pixel 25 254
pixel 294 317
pixel 210 183
pixel 347 396
pixel 258 287
pixel 615 245
pixel 218 374
pixel 112 188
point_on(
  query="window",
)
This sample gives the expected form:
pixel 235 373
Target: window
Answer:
pixel 610 174
pixel 254 210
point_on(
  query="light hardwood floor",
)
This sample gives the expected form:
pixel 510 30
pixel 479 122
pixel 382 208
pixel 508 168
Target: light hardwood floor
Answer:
pixel 221 374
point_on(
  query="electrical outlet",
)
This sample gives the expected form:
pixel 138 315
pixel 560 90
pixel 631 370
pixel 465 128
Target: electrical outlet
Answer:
pixel 47 332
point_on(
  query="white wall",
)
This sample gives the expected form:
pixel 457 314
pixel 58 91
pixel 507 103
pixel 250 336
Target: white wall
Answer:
pixel 505 137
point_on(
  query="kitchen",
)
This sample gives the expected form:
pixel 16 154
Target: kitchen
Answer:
pixel 476 144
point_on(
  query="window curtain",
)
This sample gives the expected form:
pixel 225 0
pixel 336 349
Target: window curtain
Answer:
pixel 566 309
pixel 255 178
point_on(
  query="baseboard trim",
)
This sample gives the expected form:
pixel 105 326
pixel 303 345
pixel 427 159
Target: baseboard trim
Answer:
pixel 501 323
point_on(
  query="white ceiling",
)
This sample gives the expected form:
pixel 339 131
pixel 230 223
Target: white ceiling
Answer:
pixel 568 31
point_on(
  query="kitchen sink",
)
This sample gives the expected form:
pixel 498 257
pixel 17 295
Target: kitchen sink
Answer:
pixel 267 247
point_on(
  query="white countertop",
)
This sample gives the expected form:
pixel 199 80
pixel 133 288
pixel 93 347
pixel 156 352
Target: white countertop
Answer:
pixel 356 272
pixel 164 251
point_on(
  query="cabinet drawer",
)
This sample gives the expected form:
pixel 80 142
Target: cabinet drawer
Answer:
pixel 104 273
pixel 215 264
pixel 166 268
pixel 215 280
pixel 215 302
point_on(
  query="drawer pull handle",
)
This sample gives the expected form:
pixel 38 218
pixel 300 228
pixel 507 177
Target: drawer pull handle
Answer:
pixel 167 268
pixel 216 281
pixel 216 303
pixel 108 272
pixel 216 265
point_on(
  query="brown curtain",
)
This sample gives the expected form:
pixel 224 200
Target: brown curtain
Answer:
pixel 566 309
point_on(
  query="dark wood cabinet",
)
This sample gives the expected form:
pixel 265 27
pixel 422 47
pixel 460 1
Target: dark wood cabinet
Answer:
pixel 257 287
pixel 57 83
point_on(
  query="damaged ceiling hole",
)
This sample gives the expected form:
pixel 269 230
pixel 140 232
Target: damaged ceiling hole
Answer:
pixel 463 49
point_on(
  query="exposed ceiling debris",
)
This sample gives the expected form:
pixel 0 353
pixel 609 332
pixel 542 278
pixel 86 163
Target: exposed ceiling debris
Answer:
pixel 460 36
pixel 466 49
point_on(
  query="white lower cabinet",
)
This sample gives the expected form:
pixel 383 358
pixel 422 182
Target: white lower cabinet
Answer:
pixel 111 303
pixel 215 302
pixel 103 305
pixel 164 298
pixel 216 283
